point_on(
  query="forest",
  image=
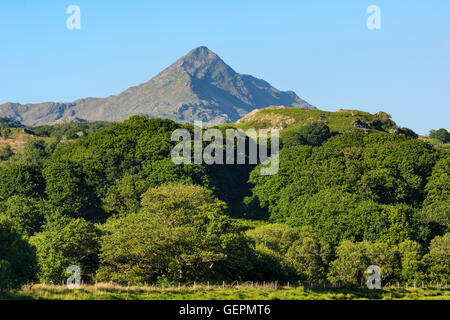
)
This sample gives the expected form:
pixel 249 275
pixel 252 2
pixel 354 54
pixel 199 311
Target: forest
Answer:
pixel 109 199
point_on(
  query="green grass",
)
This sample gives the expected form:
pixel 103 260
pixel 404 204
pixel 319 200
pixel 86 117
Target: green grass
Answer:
pixel 115 292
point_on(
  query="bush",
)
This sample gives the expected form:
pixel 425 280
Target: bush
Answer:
pixel 350 265
pixel 66 187
pixel 313 134
pixel 36 151
pixel 6 152
pixel 8 123
pixel 25 213
pixel 180 234
pixel 298 252
pixel 5 133
pixel 5 275
pixel 437 202
pixel 411 261
pixel 353 259
pixel 438 260
pixel 20 179
pixel 409 133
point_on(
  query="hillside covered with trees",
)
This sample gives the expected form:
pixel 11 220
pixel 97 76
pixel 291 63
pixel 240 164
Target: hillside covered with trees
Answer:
pixel 353 190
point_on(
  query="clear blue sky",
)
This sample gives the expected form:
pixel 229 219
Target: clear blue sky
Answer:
pixel 320 49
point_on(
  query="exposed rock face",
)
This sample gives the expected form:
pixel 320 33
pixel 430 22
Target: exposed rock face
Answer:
pixel 360 124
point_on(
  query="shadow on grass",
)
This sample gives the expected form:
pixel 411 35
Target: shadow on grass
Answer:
pixel 216 293
pixel 15 296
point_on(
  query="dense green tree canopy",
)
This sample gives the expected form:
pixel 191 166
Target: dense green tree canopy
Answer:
pixel 8 123
pixel 6 152
pixel 36 151
pixel 438 259
pixel 436 209
pixel 313 134
pixel 18 263
pixel 64 242
pixel 20 179
pixel 25 213
pixel 181 233
pixel 355 187
pixel 299 253
pixel 108 198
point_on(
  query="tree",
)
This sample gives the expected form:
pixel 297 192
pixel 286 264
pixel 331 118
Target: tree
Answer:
pixel 276 237
pixel 18 265
pixel 271 243
pixel 267 190
pixel 409 133
pixel 20 179
pixel 353 259
pixel 164 171
pixel 442 135
pixel 335 215
pixel 79 173
pixel 437 202
pixel 124 196
pixel 292 138
pixel 384 256
pixel 299 253
pixel 5 132
pixel 36 151
pixel 438 259
pixel 180 234
pixel 411 261
pixel 66 187
pixel 313 134
pixel 66 241
pixel 349 266
pixel 5 275
pixel 404 166
pixel 354 187
pixel 399 224
pixel 309 257
pixel 25 213
pixel 8 123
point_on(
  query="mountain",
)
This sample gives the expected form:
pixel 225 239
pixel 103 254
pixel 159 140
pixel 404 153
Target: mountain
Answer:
pixel 198 86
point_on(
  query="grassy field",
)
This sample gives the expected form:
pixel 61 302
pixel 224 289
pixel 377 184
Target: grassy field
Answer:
pixel 204 292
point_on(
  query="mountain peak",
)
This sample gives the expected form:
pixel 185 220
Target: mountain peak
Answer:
pixel 200 51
